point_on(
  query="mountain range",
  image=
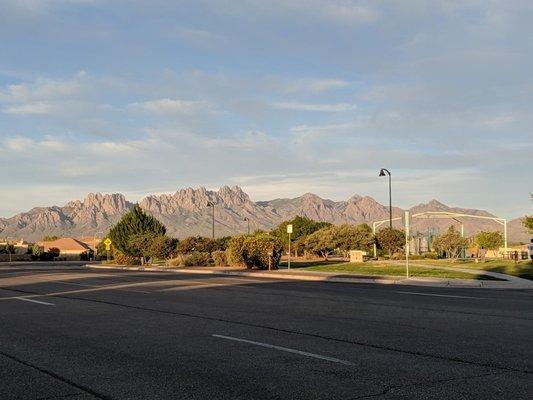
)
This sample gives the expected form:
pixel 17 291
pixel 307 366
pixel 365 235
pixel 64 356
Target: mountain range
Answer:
pixel 186 212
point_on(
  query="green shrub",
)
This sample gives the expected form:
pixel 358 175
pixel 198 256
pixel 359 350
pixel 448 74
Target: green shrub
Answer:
pixel 122 259
pixel 431 256
pixel 197 259
pixel 261 251
pixel 219 258
pixel 234 252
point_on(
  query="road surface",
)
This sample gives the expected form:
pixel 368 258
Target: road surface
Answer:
pixel 68 332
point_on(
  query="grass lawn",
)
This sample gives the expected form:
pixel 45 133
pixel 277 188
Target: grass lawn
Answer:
pixel 524 269
pixel 369 268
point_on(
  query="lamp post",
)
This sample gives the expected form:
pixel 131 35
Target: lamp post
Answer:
pixel 211 204
pixel 383 172
pixel 248 221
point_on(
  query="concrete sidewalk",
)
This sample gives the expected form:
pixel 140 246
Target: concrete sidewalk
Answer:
pixel 511 282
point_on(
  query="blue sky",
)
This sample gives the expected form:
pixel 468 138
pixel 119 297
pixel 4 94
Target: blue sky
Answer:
pixel 279 97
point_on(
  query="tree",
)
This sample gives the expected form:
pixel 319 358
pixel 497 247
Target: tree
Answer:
pixel 262 251
pixel 489 240
pixel 48 238
pixel 54 252
pixel 139 246
pixel 195 243
pixel 234 252
pixel 301 226
pixel 391 240
pixel 133 223
pixel 450 243
pixel 527 221
pixel 352 237
pixel 163 247
pixel 321 243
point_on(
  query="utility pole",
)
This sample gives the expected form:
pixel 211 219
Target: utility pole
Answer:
pixel 211 204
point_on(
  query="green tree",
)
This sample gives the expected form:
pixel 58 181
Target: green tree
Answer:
pixel 390 239
pixel 450 243
pixel 489 240
pixel 139 246
pixel 352 237
pixel 195 243
pixel 321 243
pixel 301 226
pixel 234 252
pixel 262 251
pixel 133 223
pixel 163 247
pixel 48 238
pixel 527 221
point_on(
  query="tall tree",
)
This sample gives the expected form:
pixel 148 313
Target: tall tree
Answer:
pixel 451 243
pixel 528 223
pixel 135 222
pixel 390 239
pixel 489 240
pixel 301 226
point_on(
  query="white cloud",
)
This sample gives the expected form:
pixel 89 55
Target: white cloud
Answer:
pixel 19 144
pixel 337 107
pixel 37 108
pixel 315 85
pixel 172 106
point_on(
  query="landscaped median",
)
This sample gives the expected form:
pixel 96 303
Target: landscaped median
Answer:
pixel 369 272
pixel 379 269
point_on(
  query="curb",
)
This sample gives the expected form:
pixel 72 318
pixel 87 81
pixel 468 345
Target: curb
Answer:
pixel 433 282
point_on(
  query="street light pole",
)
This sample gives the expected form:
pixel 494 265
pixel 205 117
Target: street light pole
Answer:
pixel 382 173
pixel 247 220
pixel 210 204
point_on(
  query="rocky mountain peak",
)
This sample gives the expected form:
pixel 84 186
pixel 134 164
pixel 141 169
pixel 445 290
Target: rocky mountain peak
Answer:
pixel 185 213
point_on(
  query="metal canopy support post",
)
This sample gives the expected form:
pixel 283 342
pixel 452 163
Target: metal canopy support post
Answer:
pixel 407 244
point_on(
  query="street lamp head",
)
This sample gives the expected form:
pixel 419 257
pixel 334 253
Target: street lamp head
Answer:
pixel 245 219
pixel 210 204
pixel 384 172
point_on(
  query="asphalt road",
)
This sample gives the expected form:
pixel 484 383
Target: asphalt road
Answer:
pixel 67 332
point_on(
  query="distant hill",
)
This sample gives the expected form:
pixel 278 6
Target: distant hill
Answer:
pixel 186 213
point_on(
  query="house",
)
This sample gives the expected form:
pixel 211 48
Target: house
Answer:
pixel 69 248
pixel 21 246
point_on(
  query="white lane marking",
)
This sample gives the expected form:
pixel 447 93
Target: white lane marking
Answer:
pixel 441 295
pixel 102 287
pixel 288 350
pixel 35 301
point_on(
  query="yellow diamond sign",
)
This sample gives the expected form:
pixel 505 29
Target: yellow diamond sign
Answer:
pixel 107 243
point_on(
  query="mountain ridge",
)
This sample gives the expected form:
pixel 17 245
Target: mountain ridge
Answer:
pixel 186 212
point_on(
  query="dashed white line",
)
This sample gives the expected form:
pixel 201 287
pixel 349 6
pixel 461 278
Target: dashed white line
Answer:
pixel 287 349
pixel 441 295
pixel 35 301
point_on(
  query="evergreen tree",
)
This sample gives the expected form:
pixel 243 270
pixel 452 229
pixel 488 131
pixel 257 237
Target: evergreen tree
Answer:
pixel 135 222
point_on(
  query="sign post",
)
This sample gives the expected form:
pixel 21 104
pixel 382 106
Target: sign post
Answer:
pixel 107 243
pixel 407 242
pixel 289 231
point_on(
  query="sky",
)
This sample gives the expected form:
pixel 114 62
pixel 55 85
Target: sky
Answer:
pixel 280 97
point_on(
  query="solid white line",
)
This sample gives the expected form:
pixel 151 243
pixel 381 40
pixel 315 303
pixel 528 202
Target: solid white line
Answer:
pixel 35 301
pixel 441 295
pixel 271 346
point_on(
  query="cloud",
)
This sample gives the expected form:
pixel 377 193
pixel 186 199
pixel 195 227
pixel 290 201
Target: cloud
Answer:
pixel 337 107
pixel 30 108
pixel 172 106
pixel 19 144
